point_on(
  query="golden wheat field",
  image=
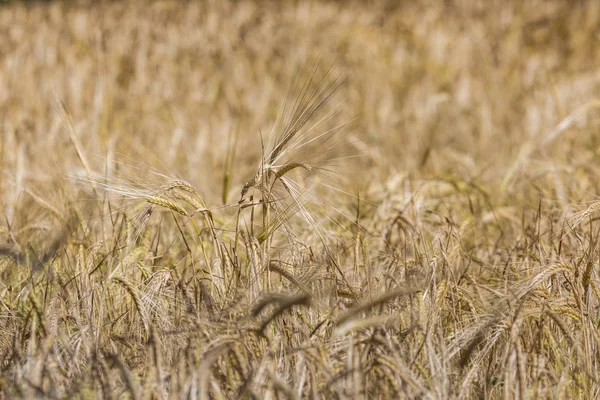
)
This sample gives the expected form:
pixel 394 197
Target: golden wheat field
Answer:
pixel 300 199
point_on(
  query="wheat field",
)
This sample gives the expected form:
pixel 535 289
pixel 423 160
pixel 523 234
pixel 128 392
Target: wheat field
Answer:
pixel 320 199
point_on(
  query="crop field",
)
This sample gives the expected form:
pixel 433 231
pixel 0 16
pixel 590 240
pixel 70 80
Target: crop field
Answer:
pixel 300 199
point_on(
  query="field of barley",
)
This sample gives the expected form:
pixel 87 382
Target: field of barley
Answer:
pixel 300 199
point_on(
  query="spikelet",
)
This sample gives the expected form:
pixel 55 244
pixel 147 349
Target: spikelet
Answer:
pixel 383 374
pixel 541 277
pixel 178 184
pixel 191 200
pixel 291 166
pixel 440 293
pixel 166 203
pixel 567 311
pixel 238 361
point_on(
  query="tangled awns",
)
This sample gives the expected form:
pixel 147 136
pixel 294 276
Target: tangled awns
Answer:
pixel 300 199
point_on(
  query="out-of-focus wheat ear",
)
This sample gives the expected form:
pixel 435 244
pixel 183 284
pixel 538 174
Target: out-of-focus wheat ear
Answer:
pixel 100 373
pixel 239 362
pixel 291 301
pixel 280 386
pixel 70 127
pixel 391 295
pixel 136 301
pixel 229 162
pixel 155 346
pixel 209 357
pixel 279 270
pixel 126 374
pixel 136 255
pixel 12 253
pixel 265 301
pixel 37 307
pixel 363 323
pixel 44 204
pixel 391 370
